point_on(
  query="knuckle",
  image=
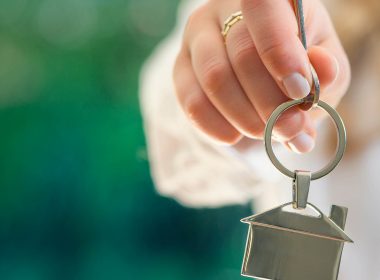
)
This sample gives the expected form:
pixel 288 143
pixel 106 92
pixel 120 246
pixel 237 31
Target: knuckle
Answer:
pixel 242 46
pixel 215 73
pixel 244 54
pixel 194 17
pixel 274 51
pixel 194 108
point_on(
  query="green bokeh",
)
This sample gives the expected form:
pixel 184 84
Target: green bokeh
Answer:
pixel 76 198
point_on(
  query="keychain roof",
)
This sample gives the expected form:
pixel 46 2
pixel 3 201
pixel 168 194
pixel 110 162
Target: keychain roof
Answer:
pixel 319 226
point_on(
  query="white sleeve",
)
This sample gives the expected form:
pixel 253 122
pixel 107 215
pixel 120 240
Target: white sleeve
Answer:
pixel 184 164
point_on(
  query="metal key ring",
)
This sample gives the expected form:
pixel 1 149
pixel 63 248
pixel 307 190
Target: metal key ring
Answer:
pixel 341 138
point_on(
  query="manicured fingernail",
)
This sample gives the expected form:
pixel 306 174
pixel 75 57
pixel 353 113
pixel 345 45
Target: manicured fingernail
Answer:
pixel 296 86
pixel 302 143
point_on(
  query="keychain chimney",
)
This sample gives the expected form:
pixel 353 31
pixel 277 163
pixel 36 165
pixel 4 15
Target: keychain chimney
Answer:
pixel 338 215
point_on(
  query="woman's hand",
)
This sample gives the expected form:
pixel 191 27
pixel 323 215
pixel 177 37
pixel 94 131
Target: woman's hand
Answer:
pixel 230 89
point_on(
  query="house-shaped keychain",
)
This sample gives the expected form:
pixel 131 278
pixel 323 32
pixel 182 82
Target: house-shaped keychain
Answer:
pixel 296 241
pixel 285 244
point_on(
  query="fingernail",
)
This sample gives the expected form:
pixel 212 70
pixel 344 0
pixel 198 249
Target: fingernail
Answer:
pixel 302 143
pixel 296 86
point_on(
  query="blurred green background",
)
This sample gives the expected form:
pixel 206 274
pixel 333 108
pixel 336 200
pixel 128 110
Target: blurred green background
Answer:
pixel 76 198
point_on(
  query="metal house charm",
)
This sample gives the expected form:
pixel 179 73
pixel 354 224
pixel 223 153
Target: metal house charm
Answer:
pixel 284 245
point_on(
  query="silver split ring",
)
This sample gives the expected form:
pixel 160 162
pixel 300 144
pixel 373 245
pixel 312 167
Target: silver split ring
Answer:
pixel 342 138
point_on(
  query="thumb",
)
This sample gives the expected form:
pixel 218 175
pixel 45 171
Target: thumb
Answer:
pixel 273 27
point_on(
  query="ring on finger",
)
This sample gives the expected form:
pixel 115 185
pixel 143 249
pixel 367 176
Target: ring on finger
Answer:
pixel 229 22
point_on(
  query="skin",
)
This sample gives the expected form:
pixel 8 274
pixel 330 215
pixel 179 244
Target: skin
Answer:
pixel 228 90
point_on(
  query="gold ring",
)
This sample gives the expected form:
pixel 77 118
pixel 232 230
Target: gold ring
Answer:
pixel 230 21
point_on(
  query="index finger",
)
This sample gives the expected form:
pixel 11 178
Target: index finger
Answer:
pixel 274 30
